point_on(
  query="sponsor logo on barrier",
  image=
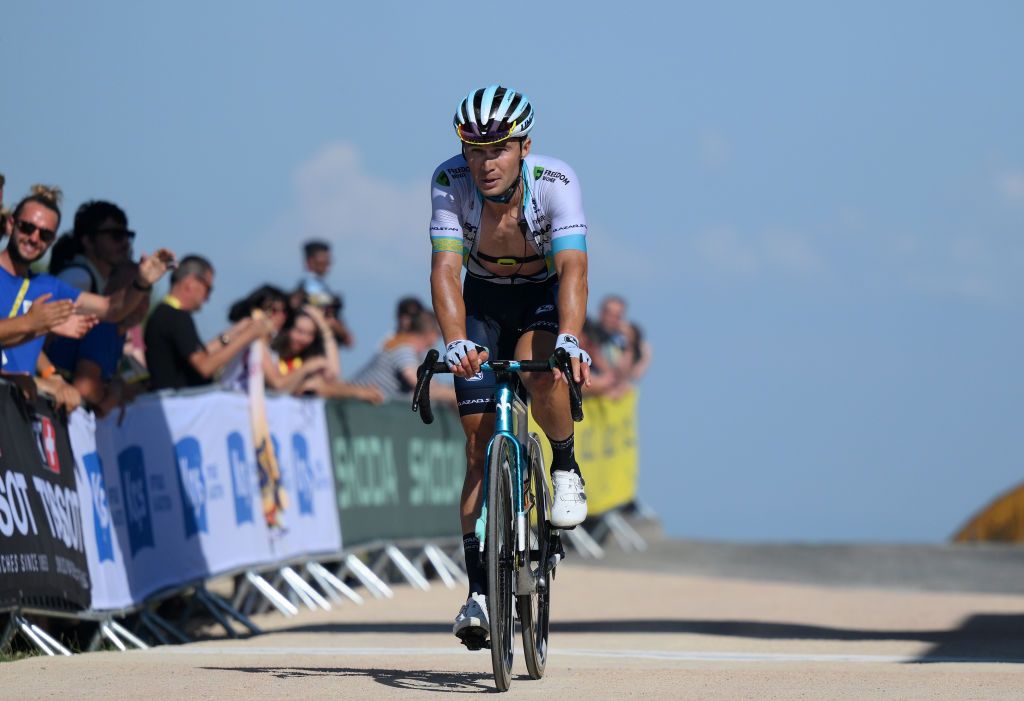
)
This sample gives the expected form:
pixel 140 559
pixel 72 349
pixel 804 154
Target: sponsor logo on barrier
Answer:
pixel 46 437
pixel 100 507
pixel 304 477
pixel 437 469
pixel 366 472
pixel 192 481
pixel 63 512
pixel 241 478
pixel 132 467
pixel 15 509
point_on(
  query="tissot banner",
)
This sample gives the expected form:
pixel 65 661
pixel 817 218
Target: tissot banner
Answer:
pixel 42 549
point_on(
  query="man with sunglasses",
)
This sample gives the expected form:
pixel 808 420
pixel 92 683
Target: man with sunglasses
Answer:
pixel 34 224
pixel 515 221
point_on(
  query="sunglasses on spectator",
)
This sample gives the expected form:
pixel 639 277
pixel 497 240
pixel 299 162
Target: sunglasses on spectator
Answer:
pixel 118 234
pixel 28 228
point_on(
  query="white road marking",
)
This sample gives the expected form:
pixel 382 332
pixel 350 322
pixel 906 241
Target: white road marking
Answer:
pixel 661 655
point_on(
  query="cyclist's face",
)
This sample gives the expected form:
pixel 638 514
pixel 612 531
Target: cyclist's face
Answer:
pixel 494 168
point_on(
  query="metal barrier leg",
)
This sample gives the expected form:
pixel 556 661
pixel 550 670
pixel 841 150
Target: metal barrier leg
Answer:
pixel 440 560
pixel 301 586
pixel 203 597
pixel 154 621
pixel 216 604
pixel 243 590
pixel 26 629
pixel 442 572
pixel 625 535
pixel 583 543
pixel 50 641
pixel 366 577
pixel 328 581
pixel 110 635
pixel 272 595
pixel 127 635
pixel 9 632
pixel 154 630
pixel 406 568
pixel 297 591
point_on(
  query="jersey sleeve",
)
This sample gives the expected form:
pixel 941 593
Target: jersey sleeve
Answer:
pixel 564 205
pixel 78 277
pixel 445 227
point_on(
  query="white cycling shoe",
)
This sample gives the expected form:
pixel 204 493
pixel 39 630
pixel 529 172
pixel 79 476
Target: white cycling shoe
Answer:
pixel 569 504
pixel 472 625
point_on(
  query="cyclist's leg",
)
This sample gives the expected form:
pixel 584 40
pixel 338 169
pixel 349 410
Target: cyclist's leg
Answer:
pixel 550 407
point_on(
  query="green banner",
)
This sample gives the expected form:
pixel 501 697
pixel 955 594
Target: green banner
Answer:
pixel 395 477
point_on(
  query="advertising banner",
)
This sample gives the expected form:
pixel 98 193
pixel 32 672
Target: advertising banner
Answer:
pixel 309 521
pixel 173 495
pixel 395 476
pixel 607 452
pixel 42 549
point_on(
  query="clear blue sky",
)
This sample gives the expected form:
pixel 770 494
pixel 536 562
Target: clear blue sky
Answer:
pixel 815 209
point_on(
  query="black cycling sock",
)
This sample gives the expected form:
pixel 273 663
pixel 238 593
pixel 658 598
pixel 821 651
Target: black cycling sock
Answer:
pixel 474 567
pixel 563 456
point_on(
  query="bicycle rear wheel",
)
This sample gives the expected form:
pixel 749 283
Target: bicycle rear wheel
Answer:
pixel 535 605
pixel 500 549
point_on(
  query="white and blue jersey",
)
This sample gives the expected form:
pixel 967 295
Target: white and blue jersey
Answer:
pixel 552 209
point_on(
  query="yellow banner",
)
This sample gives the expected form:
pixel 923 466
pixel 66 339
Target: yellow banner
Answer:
pixel 606 449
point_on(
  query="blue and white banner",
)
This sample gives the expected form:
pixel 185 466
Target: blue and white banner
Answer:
pixel 181 495
pixel 298 428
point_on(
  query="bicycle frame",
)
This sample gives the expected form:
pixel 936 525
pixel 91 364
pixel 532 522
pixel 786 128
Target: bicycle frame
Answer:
pixel 512 422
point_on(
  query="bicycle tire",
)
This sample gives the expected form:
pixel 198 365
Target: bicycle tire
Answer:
pixel 535 607
pixel 500 555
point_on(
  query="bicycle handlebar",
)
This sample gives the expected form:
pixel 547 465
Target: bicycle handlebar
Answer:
pixel 430 367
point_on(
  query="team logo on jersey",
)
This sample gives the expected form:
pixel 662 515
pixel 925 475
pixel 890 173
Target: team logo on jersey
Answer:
pixel 442 179
pixel 545 308
pixel 537 172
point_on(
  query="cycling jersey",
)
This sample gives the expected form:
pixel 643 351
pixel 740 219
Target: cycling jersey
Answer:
pixel 551 218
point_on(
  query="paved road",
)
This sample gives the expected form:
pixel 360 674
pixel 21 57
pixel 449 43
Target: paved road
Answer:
pixel 618 632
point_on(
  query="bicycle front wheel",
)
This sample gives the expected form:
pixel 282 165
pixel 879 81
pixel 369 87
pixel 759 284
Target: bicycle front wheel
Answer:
pixel 535 604
pixel 500 549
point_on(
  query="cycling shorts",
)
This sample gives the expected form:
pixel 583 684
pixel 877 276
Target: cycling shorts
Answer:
pixel 496 317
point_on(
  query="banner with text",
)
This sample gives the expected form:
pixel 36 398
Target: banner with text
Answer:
pixel 396 477
pixel 42 549
pixel 170 494
pixel 607 451
pixel 310 518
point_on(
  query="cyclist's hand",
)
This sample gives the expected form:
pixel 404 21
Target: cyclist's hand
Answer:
pixel 462 357
pixel 579 358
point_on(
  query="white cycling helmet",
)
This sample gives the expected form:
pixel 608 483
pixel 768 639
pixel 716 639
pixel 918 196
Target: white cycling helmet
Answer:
pixel 493 114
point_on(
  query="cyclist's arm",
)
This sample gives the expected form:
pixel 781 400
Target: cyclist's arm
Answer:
pixel 446 294
pixel 571 265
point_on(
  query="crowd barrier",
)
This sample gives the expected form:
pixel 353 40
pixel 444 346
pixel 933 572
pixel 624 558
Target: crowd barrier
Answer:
pixel 102 516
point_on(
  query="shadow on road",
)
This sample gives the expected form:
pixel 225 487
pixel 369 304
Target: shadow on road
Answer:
pixel 979 638
pixel 443 682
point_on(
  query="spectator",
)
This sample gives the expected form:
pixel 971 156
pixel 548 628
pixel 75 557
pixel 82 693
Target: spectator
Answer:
pixel 35 222
pixel 175 355
pixel 91 365
pixel 408 307
pixel 99 241
pixel 393 369
pixel 305 337
pixel 623 354
pixel 272 303
pixel 317 293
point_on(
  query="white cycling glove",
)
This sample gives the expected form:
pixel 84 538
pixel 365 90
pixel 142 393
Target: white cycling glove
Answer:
pixel 455 351
pixel 571 344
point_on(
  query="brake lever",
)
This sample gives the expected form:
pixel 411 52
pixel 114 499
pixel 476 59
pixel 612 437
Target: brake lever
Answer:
pixel 421 397
pixel 564 363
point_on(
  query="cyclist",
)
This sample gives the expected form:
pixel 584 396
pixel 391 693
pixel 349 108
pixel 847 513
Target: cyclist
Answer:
pixel 515 221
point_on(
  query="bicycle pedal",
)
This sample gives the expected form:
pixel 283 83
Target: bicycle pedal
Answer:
pixel 475 641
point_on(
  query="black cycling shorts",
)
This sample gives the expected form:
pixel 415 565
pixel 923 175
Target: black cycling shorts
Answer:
pixel 496 317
